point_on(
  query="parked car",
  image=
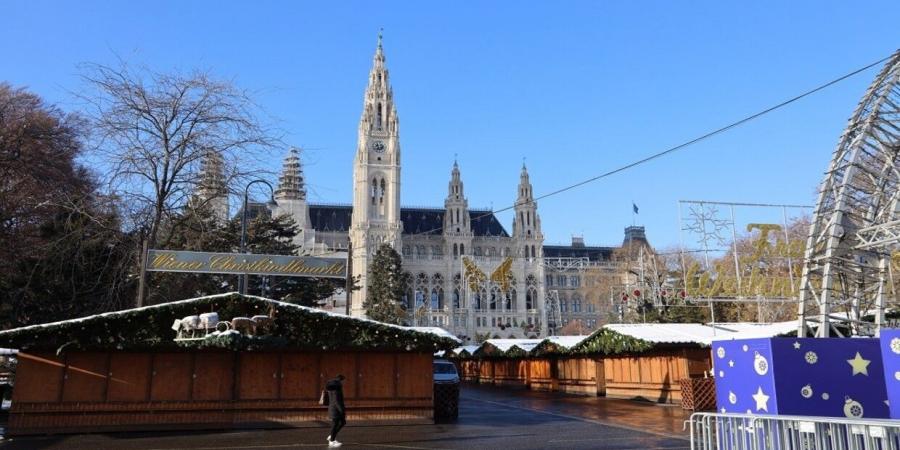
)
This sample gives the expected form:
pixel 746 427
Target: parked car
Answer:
pixel 446 390
pixel 445 372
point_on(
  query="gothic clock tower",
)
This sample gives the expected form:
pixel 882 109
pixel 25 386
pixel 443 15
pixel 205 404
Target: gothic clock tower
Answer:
pixel 376 178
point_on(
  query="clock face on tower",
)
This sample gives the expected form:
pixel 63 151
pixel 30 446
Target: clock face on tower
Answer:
pixel 378 146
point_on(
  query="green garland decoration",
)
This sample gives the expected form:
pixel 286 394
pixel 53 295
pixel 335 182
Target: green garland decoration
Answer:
pixel 608 342
pixel 294 327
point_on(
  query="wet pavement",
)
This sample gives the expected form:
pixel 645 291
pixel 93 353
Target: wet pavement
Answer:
pixel 490 418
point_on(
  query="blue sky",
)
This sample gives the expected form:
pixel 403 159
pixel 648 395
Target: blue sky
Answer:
pixel 577 88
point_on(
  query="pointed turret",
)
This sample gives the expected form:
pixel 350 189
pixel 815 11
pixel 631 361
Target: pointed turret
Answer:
pixel 212 191
pixel 290 198
pixel 527 223
pixel 456 215
pixel 291 185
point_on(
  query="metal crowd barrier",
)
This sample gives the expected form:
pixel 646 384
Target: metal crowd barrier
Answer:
pixel 714 431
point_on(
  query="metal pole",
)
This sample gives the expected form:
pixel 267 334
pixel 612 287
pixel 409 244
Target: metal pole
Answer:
pixel 737 267
pixel 787 246
pixel 681 241
pixel 243 279
pixel 348 283
pixel 242 283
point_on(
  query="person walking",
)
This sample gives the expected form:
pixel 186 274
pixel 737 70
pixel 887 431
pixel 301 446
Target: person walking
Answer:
pixel 336 410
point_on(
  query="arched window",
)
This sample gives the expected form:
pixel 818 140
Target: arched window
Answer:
pixel 381 193
pixel 563 305
pixel 421 289
pixel 531 292
pixel 407 251
pixel 374 189
pixel 462 249
pixel 533 252
pixel 378 119
pixel 420 298
pixel 495 297
pixel 512 298
pixel 576 303
pixel 455 251
pixel 435 300
pixel 477 251
pixel 420 251
pixel 456 303
pixel 477 299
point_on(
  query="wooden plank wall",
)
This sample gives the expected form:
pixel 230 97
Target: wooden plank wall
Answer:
pixel 97 391
pixel 654 376
pixel 651 376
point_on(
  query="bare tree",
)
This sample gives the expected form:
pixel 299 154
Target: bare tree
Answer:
pixel 154 129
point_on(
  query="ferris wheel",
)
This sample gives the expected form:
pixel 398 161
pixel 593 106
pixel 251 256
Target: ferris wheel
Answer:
pixel 855 230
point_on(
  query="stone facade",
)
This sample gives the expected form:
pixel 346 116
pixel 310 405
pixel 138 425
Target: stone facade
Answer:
pixel 432 241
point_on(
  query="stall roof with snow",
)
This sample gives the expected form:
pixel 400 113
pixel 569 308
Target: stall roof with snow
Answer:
pixel 637 337
pixel 288 326
pixel 556 345
pixel 506 347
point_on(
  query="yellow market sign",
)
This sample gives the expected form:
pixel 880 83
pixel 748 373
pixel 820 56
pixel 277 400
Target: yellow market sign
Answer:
pixel 239 264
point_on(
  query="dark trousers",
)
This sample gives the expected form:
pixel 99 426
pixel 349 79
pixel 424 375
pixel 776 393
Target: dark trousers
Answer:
pixel 336 424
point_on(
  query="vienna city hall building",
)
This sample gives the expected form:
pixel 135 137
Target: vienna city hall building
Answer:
pixel 468 274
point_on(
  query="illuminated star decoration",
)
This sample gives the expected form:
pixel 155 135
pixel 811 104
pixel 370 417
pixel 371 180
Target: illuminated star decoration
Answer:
pixel 731 363
pixel 860 365
pixel 797 345
pixel 762 400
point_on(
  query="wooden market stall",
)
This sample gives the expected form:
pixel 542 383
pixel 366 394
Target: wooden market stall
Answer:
pixel 609 362
pixel 633 361
pixel 130 370
pixel 502 361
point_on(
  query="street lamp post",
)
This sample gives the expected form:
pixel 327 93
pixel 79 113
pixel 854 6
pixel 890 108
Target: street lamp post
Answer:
pixel 242 281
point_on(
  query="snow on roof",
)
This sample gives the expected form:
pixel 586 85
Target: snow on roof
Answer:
pixel 505 345
pixel 566 341
pixel 114 314
pixel 466 348
pixel 756 330
pixel 697 333
pixel 665 333
pixel 437 331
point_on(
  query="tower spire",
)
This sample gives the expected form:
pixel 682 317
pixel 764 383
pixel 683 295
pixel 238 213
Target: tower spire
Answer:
pixel 212 188
pixel 379 49
pixel 291 184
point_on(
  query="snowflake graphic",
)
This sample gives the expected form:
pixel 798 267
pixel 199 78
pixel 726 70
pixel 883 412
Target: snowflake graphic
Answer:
pixel 895 345
pixel 811 357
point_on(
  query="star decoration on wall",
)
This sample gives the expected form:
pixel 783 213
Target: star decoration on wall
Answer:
pixel 761 399
pixel 860 365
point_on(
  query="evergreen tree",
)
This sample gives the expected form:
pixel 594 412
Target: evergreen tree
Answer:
pixel 387 283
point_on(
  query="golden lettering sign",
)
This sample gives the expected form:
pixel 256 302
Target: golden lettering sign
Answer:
pixel 203 262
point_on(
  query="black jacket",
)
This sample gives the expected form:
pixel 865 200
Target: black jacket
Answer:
pixel 335 391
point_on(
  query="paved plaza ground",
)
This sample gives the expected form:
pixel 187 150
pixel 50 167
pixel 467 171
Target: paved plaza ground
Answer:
pixel 490 418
